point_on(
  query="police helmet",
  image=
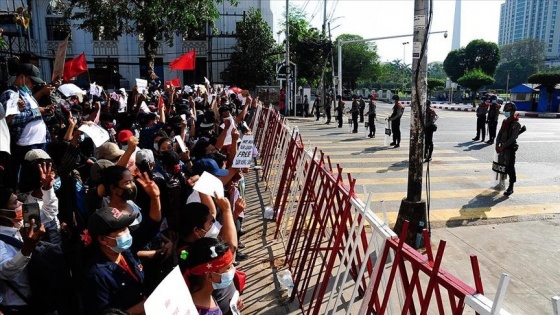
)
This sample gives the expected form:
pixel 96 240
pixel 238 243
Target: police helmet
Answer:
pixel 510 107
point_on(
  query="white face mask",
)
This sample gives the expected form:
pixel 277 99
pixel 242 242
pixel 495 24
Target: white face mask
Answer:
pixel 214 230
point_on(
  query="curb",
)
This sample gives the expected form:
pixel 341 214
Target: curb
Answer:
pixel 464 109
pixel 521 114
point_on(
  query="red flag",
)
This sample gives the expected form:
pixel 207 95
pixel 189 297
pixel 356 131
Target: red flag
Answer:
pixel 75 67
pixel 175 82
pixel 185 62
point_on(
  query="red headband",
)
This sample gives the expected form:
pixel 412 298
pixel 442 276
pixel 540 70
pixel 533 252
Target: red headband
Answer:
pixel 213 265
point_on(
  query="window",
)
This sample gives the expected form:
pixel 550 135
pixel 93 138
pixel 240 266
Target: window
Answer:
pixel 195 34
pixel 57 28
pixel 106 63
pixel 101 34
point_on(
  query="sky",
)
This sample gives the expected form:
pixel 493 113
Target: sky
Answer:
pixel 380 18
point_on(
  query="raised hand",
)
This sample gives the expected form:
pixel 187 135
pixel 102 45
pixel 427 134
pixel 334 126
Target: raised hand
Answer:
pixel 47 175
pixel 148 185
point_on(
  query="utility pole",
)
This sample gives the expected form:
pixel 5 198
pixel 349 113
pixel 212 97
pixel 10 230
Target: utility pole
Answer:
pixel 413 208
pixel 323 83
pixel 288 70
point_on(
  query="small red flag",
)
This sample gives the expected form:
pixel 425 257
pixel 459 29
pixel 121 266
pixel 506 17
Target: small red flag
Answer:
pixel 185 62
pixel 75 67
pixel 175 82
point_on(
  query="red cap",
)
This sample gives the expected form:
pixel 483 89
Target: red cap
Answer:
pixel 124 135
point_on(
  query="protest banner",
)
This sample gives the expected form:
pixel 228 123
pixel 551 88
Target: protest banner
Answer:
pixel 58 66
pixel 171 297
pixel 97 134
pixel 244 153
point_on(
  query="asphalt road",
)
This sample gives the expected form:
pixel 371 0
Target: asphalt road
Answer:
pixel 462 186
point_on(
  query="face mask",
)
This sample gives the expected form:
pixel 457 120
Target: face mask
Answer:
pixel 214 230
pixel 82 138
pixel 128 193
pixel 156 147
pixel 507 114
pixel 226 280
pixel 125 146
pixel 18 219
pixel 57 184
pixel 123 243
pixel 25 88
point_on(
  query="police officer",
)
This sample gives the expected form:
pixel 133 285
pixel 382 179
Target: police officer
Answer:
pixel 339 110
pixel 355 110
pixel 395 120
pixel 481 120
pixel 506 143
pixel 328 102
pixel 317 106
pixel 372 113
pixel 492 119
pixel 429 128
pixel 362 107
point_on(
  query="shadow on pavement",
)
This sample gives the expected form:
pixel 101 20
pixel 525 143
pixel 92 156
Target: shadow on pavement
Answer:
pixel 475 209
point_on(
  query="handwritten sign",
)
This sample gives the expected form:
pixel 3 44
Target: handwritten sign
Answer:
pixel 244 153
pixel 210 185
pixel 97 134
pixel 171 297
pixel 58 67
pixel 12 104
pixel 95 89
pixel 142 86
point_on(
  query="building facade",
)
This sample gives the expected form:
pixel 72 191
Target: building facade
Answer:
pixel 116 63
pixel 539 19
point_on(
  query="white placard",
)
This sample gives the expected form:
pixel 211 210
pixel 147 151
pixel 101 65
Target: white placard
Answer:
pixel 70 89
pixel 142 86
pixel 95 89
pixel 227 140
pixel 210 185
pixel 244 153
pixel 181 143
pixel 11 105
pixel 416 50
pixel 97 134
pixel 172 296
pixel 233 304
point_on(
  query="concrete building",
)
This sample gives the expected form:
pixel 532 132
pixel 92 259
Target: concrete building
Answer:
pixel 125 56
pixel 540 19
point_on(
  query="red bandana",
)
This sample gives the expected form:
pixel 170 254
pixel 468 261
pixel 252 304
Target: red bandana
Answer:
pixel 213 265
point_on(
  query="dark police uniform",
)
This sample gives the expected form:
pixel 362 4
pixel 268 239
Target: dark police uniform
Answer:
pixel 372 113
pixel 481 121
pixel 507 139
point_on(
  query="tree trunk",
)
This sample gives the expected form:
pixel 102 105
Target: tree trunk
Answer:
pixel 150 51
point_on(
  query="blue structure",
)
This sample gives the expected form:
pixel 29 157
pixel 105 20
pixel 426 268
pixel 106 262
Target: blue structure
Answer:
pixel 525 97
pixel 543 99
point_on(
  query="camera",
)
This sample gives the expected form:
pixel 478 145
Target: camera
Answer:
pixel 445 35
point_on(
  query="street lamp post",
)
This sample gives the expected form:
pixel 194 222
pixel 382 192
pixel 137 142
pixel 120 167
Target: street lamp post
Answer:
pixel 404 52
pixel 287 95
pixel 404 64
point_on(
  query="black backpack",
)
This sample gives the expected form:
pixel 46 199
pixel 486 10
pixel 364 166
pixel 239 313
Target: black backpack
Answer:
pixel 49 276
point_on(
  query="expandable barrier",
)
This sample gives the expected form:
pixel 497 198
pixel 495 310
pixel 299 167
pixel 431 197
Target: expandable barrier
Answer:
pixel 342 256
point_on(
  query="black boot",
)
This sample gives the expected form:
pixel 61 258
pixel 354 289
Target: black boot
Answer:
pixel 509 190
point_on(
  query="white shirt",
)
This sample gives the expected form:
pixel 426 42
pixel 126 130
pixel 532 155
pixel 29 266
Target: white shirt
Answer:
pixel 4 132
pixel 12 268
pixel 34 132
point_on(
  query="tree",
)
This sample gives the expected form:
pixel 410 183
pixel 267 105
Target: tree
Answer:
pixel 454 64
pixel 475 79
pixel 436 71
pixel 517 70
pixel 483 55
pixel 478 54
pixel 549 80
pixel 253 61
pixel 359 60
pixel 434 83
pixel 308 48
pixel 153 20
pixel 531 49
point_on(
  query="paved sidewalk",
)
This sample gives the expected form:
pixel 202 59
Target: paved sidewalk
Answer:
pixel 529 251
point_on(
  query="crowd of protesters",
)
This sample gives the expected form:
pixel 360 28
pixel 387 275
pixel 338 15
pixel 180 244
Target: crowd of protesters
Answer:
pixel 122 214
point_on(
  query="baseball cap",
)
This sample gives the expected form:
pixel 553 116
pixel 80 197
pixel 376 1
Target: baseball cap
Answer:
pixel 97 167
pixel 144 155
pixel 109 151
pixel 124 135
pixel 107 220
pixel 31 71
pixel 36 154
pixel 210 166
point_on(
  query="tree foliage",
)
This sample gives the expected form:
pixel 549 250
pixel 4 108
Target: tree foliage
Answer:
pixel 474 80
pixel 518 71
pixel 359 61
pixel 308 48
pixel 549 80
pixel 153 20
pixel 436 71
pixel 478 54
pixel 531 49
pixel 435 83
pixel 253 61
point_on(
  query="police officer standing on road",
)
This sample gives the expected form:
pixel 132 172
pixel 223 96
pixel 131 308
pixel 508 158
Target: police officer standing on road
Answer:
pixel 362 107
pixel 506 143
pixel 372 114
pixel 355 110
pixel 395 119
pixel 429 128
pixel 317 107
pixel 481 120
pixel 328 103
pixel 493 115
pixel 305 106
pixel 339 110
